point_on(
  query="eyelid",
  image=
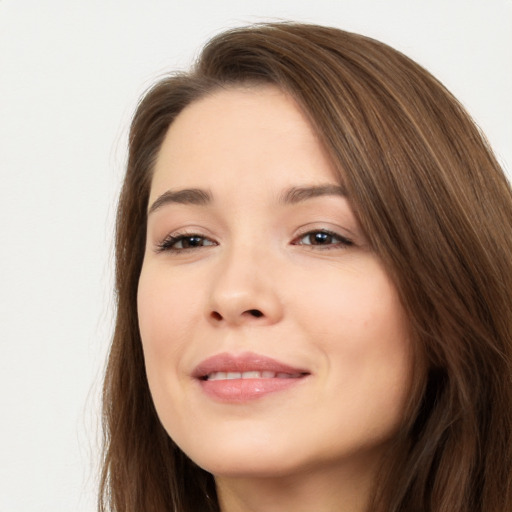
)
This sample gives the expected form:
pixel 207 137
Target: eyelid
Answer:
pixel 343 240
pixel 166 244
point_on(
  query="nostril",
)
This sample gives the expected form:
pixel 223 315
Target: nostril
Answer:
pixel 255 313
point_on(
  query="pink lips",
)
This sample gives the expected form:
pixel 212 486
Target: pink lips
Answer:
pixel 229 378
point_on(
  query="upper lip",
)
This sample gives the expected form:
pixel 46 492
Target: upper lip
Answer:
pixel 246 362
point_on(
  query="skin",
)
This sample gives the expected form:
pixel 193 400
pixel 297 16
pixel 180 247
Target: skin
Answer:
pixel 324 303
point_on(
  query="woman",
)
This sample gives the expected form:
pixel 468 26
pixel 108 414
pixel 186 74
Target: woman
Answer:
pixel 314 285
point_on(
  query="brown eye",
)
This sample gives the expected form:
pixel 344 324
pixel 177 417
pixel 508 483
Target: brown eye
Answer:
pixel 190 241
pixel 184 242
pixel 320 238
pixel 323 239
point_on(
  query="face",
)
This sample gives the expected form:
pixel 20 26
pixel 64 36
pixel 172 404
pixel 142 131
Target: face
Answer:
pixel 274 340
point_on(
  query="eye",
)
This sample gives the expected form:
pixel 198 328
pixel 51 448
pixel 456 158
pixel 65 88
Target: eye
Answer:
pixel 184 242
pixel 322 239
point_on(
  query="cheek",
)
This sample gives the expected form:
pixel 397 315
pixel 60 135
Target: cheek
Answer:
pixel 358 323
pixel 358 304
pixel 167 314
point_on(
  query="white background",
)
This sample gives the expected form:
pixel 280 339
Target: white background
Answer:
pixel 70 76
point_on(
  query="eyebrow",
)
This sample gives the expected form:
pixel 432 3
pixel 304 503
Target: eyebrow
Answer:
pixel 200 197
pixel 298 194
pixel 194 196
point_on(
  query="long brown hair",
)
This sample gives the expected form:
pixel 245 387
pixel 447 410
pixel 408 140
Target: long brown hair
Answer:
pixel 437 210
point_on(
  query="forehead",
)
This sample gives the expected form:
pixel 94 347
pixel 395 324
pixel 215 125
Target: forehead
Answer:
pixel 239 134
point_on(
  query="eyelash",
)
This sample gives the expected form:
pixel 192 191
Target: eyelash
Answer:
pixel 342 242
pixel 169 243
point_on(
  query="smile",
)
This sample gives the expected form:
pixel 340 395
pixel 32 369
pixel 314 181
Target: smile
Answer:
pixel 251 375
pixel 245 377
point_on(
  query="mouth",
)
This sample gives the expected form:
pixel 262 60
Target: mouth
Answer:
pixel 245 377
pixel 255 374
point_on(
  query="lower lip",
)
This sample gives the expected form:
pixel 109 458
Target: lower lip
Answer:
pixel 245 390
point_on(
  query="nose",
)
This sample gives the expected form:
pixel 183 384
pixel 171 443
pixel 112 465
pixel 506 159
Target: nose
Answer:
pixel 243 291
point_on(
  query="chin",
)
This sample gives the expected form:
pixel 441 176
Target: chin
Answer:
pixel 280 456
pixel 262 458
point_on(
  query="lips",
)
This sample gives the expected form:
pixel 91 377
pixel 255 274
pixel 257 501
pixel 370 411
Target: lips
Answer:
pixel 253 374
pixel 240 378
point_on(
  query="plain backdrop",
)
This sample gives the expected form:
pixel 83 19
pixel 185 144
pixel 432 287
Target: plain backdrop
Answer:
pixel 70 75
